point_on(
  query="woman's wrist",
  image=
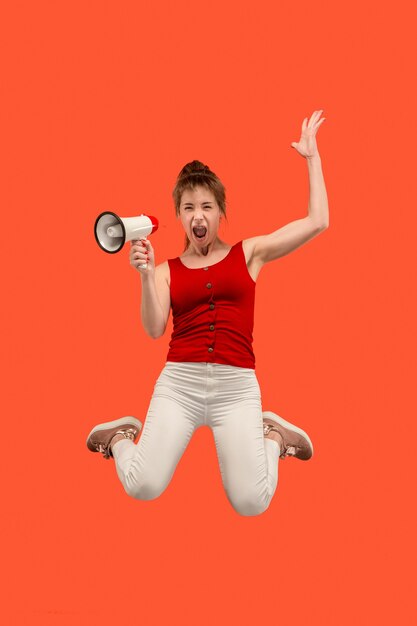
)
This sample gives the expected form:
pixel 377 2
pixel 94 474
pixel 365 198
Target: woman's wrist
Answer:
pixel 314 159
pixel 148 275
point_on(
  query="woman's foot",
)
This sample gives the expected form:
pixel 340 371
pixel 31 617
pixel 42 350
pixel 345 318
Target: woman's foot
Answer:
pixel 101 437
pixel 292 440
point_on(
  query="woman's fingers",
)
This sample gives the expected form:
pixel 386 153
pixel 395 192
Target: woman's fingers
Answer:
pixel 147 243
pixel 138 252
pixel 141 254
pixel 140 245
pixel 315 116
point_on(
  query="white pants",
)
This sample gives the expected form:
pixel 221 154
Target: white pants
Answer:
pixel 187 396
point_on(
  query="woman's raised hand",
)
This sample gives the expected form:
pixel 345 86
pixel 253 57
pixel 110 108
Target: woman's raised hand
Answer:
pixel 142 253
pixel 307 146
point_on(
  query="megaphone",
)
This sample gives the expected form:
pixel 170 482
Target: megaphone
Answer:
pixel 112 232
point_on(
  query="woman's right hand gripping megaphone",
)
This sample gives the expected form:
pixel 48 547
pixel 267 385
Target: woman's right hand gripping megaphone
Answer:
pixel 142 256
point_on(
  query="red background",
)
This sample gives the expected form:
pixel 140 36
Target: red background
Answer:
pixel 102 105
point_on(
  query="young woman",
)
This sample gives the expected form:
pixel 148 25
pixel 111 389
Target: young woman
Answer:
pixel 209 377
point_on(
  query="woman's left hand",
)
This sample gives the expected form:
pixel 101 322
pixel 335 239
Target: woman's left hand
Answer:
pixel 307 145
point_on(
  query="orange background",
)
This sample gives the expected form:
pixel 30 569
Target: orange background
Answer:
pixel 102 105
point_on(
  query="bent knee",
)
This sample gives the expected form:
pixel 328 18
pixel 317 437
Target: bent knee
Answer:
pixel 249 506
pixel 144 490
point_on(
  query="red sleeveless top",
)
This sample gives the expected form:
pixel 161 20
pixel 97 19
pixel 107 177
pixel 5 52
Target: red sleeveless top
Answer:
pixel 213 311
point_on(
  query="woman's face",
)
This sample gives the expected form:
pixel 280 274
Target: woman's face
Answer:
pixel 200 216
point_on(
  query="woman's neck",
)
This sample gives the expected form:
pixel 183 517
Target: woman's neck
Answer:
pixel 205 251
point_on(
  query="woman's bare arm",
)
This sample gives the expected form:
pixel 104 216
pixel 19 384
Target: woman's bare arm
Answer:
pixel 267 248
pixel 156 299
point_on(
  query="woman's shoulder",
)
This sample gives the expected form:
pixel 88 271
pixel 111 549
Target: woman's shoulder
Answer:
pixel 162 272
pixel 163 268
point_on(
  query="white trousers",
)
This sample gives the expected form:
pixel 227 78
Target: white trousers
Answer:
pixel 187 396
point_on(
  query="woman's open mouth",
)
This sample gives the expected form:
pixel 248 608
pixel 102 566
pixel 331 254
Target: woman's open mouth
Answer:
pixel 200 231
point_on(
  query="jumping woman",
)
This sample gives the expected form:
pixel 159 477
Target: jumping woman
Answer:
pixel 209 375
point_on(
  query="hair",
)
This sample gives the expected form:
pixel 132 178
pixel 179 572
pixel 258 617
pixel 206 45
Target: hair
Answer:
pixel 196 174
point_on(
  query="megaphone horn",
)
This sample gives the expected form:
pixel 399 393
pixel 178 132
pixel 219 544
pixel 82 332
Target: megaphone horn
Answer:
pixel 112 232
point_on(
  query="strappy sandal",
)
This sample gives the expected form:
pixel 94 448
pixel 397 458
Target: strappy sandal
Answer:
pixel 295 441
pixel 99 439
